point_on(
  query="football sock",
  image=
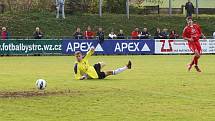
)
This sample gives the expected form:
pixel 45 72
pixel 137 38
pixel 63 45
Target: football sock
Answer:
pixel 193 61
pixel 196 60
pixel 119 70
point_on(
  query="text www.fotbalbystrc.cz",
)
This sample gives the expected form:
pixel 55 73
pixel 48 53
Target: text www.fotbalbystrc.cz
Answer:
pixel 29 48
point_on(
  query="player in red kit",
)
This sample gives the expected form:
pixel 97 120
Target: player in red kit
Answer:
pixel 192 33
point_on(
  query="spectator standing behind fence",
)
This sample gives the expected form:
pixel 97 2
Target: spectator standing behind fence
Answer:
pixel 60 8
pixel 214 35
pixel 173 35
pixel 38 34
pixel 100 35
pixel 78 34
pixel 135 34
pixel 88 34
pixel 112 35
pixel 121 35
pixel 189 8
pixel 4 34
pixel 145 34
pixel 158 34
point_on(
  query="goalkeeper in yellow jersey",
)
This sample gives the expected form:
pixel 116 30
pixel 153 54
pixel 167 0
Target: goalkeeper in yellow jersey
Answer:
pixel 83 70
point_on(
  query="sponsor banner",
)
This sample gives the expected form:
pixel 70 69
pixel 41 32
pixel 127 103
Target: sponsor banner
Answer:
pixel 180 46
pixel 25 47
pixel 211 46
pixel 110 47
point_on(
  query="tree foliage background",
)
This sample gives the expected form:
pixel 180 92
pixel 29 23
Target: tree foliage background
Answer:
pixel 73 6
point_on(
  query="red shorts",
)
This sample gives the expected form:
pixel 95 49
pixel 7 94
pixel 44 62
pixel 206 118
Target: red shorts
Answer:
pixel 195 47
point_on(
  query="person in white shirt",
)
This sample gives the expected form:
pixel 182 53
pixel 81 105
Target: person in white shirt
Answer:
pixel 112 35
pixel 60 8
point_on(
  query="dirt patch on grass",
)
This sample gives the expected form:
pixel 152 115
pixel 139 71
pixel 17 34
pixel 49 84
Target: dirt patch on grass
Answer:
pixel 18 94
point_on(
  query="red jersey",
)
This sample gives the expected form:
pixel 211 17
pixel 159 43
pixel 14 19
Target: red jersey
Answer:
pixel 193 32
pixel 134 35
pixel 4 35
pixel 88 34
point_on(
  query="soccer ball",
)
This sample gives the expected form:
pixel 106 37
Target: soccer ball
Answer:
pixel 41 84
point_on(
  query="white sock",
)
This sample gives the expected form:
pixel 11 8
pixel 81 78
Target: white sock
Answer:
pixel 119 70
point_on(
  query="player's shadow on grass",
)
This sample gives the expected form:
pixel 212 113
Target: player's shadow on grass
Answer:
pixel 97 80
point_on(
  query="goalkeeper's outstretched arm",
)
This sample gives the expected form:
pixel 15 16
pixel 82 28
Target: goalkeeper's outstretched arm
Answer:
pixel 90 53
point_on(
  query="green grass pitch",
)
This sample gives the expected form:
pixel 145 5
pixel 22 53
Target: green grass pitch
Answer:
pixel 158 88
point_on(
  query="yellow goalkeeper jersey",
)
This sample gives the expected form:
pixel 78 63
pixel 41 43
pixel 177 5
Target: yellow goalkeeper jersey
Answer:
pixel 83 68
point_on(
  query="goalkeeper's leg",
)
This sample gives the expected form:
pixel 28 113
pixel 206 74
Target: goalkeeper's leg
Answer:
pixel 119 70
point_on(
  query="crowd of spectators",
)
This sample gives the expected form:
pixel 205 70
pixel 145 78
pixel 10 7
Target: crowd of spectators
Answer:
pixel 137 33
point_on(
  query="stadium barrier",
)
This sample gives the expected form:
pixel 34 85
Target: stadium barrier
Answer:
pixel 108 47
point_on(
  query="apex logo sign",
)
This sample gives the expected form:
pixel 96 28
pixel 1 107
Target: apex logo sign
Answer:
pixel 83 46
pixel 166 45
pixel 131 47
pixel 110 47
pixel 99 48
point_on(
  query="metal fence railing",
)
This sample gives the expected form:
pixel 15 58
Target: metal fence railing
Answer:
pixel 80 38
